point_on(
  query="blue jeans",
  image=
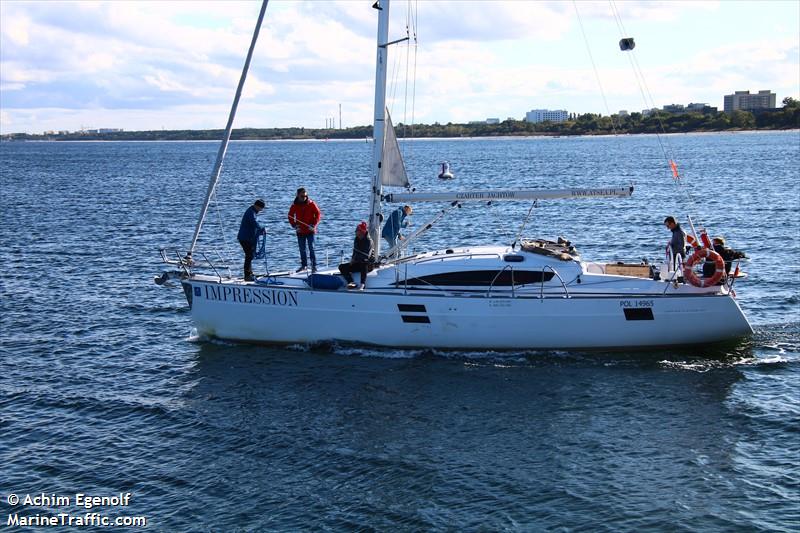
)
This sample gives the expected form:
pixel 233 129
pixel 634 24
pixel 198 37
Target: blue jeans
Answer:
pixel 302 241
pixel 393 241
pixel 249 251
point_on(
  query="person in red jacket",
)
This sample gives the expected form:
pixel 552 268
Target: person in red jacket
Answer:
pixel 304 216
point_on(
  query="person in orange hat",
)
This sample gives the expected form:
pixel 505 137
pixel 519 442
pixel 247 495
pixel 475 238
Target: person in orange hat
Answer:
pixel 362 259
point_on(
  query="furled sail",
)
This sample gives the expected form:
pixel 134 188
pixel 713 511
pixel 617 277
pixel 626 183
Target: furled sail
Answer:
pixel 393 171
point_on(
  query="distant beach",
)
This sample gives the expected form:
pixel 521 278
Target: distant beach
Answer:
pixel 785 118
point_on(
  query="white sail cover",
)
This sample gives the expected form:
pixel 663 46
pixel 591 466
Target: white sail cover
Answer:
pixel 393 171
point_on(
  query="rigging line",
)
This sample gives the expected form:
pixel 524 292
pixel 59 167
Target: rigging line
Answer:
pixel 594 67
pixel 414 76
pixel 394 85
pixel 413 24
pixel 215 175
pixel 503 228
pixel 408 58
pixel 524 223
pixel 647 97
pixel 666 146
pixel 225 246
pixel 394 77
pixel 390 84
pixel 649 102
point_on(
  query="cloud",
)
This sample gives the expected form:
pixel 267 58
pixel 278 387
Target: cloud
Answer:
pixel 5 119
pixel 769 64
pixel 177 64
pixel 165 82
pixel 16 30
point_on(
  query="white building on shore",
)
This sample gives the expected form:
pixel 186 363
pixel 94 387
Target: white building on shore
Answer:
pixel 545 115
pixel 743 100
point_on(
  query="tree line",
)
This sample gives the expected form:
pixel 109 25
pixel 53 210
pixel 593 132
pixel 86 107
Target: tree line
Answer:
pixel 787 117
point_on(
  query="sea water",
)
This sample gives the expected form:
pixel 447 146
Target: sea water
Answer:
pixel 105 391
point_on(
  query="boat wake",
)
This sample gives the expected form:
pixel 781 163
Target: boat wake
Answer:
pixel 196 338
pixel 336 348
pixel 769 347
pixel 487 358
pixel 706 365
pixel 745 354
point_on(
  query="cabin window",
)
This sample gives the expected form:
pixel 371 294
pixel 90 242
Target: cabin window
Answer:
pixel 481 278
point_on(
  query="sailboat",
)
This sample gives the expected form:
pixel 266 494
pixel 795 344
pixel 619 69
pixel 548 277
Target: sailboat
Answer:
pixel 533 294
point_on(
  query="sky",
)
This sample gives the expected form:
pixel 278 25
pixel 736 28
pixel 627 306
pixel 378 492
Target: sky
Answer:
pixel 144 65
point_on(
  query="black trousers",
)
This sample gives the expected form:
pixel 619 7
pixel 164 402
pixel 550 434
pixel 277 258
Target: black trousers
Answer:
pixel 347 270
pixel 249 251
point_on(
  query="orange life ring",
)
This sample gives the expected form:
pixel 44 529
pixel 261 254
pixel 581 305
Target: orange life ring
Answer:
pixel 704 254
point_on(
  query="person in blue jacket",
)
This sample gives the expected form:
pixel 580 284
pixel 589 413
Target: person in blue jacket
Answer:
pixel 397 220
pixel 249 230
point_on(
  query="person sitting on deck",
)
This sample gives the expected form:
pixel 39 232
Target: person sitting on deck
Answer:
pixel 728 255
pixel 362 259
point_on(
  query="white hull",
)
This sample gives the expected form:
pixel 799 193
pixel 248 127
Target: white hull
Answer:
pixel 540 296
pixel 281 314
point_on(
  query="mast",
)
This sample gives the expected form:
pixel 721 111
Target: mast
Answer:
pixel 375 216
pixel 227 136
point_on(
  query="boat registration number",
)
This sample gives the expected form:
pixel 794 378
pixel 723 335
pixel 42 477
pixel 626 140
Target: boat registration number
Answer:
pixel 635 303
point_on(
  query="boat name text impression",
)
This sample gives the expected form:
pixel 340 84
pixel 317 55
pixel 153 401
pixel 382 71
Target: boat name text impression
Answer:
pixel 247 295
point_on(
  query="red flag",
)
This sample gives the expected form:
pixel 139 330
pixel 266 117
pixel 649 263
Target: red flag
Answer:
pixel 674 168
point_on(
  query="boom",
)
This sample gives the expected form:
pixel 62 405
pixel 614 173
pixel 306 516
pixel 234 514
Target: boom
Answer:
pixel 484 196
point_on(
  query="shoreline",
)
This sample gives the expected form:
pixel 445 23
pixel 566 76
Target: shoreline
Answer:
pixel 586 125
pixel 535 135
